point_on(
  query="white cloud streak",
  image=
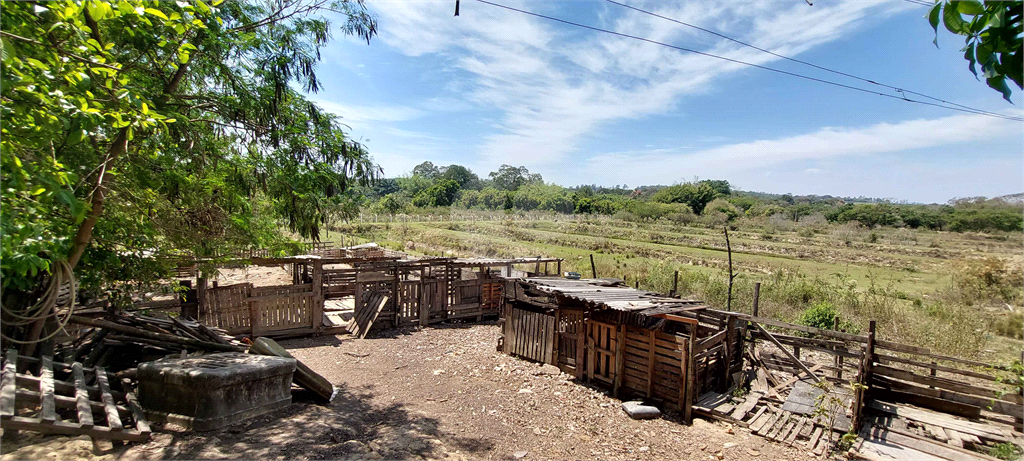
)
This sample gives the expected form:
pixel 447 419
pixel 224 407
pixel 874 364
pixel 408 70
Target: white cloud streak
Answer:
pixel 555 86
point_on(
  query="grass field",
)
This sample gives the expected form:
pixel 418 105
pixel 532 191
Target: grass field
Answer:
pixel 954 292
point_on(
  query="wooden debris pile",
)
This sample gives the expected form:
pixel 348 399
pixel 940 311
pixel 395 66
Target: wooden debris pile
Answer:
pixel 924 433
pixel 41 395
pixel 781 404
pixel 120 342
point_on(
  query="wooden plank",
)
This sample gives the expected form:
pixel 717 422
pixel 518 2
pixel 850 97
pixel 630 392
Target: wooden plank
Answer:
pixel 47 409
pixel 757 414
pixel 763 430
pixel 818 331
pixel 937 432
pixel 741 410
pixel 925 445
pixel 991 404
pixel 650 366
pixel 113 419
pixel 815 436
pixel 793 379
pixel 708 343
pixel 783 420
pixel 940 383
pixel 954 438
pixel 791 438
pixel 620 359
pixel 141 424
pixel 760 420
pixel 61 427
pixel 782 435
pixel 788 354
pixel 941 420
pixel 81 396
pixel 9 384
pixel 884 359
pixel 691 376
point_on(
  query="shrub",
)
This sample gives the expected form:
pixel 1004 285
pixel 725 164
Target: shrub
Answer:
pixel 1005 450
pixel 823 315
pixel 1011 326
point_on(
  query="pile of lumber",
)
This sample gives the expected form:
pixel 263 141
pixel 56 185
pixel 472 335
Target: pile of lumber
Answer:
pixel 122 341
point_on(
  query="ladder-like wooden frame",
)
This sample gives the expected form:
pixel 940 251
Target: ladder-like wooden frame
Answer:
pixel 67 406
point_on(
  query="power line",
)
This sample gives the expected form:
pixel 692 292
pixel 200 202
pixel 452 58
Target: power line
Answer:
pixel 792 74
pixel 920 2
pixel 897 89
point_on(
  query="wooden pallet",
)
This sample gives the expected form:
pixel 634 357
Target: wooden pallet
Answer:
pixel 66 399
pixel 373 303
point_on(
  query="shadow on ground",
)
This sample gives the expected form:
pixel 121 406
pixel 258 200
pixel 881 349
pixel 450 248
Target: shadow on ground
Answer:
pixel 350 427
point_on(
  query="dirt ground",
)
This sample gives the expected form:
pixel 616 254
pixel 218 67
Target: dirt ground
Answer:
pixel 436 393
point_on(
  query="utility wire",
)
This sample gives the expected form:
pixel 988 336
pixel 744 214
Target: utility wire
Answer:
pixel 919 2
pixel 792 74
pixel 897 89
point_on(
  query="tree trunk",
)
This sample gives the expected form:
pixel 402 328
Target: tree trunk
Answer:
pixel 84 234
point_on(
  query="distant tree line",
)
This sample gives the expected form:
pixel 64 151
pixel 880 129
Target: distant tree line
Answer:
pixel 700 201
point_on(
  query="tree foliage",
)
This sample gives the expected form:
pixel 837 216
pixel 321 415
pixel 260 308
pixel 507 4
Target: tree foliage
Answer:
pixel 992 34
pixel 141 129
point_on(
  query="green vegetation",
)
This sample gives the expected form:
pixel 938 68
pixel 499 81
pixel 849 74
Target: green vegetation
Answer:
pixel 823 315
pixel 911 281
pixel 993 38
pixel 711 203
pixel 137 131
pixel 1005 450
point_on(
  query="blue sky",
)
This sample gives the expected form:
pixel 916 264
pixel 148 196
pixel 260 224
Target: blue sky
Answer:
pixel 494 86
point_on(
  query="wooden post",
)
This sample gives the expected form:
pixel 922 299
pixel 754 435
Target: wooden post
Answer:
pixel 480 289
pixel 202 306
pixel 318 294
pixel 536 268
pixel 839 358
pixel 728 249
pixel 620 359
pixel 675 285
pixel 581 335
pixel 757 296
pixel 559 267
pixel 730 345
pixel 691 376
pixel 651 363
pixel 593 268
pixel 864 377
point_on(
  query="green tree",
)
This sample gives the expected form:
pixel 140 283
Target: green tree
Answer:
pixel 427 170
pixel 697 196
pixel 138 128
pixel 993 38
pixel 510 178
pixel 461 175
pixel 442 193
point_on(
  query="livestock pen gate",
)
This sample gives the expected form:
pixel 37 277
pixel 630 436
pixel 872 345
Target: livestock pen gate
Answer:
pixel 425 291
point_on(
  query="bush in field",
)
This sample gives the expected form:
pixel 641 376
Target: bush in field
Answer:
pixel 697 196
pixel 723 206
pixel 990 279
pixel 823 315
pixel 1010 325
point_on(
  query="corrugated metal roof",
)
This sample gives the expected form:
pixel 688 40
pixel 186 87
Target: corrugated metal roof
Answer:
pixel 613 294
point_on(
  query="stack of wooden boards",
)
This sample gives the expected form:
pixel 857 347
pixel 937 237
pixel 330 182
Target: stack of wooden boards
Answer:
pixel 58 398
pixel 917 433
pixel 766 417
pixel 373 302
pixel 123 341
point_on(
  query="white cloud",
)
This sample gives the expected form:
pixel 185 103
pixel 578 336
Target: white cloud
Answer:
pixel 358 114
pixel 849 150
pixel 556 85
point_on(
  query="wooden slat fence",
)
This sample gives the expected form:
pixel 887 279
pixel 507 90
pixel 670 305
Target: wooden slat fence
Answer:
pixel 530 335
